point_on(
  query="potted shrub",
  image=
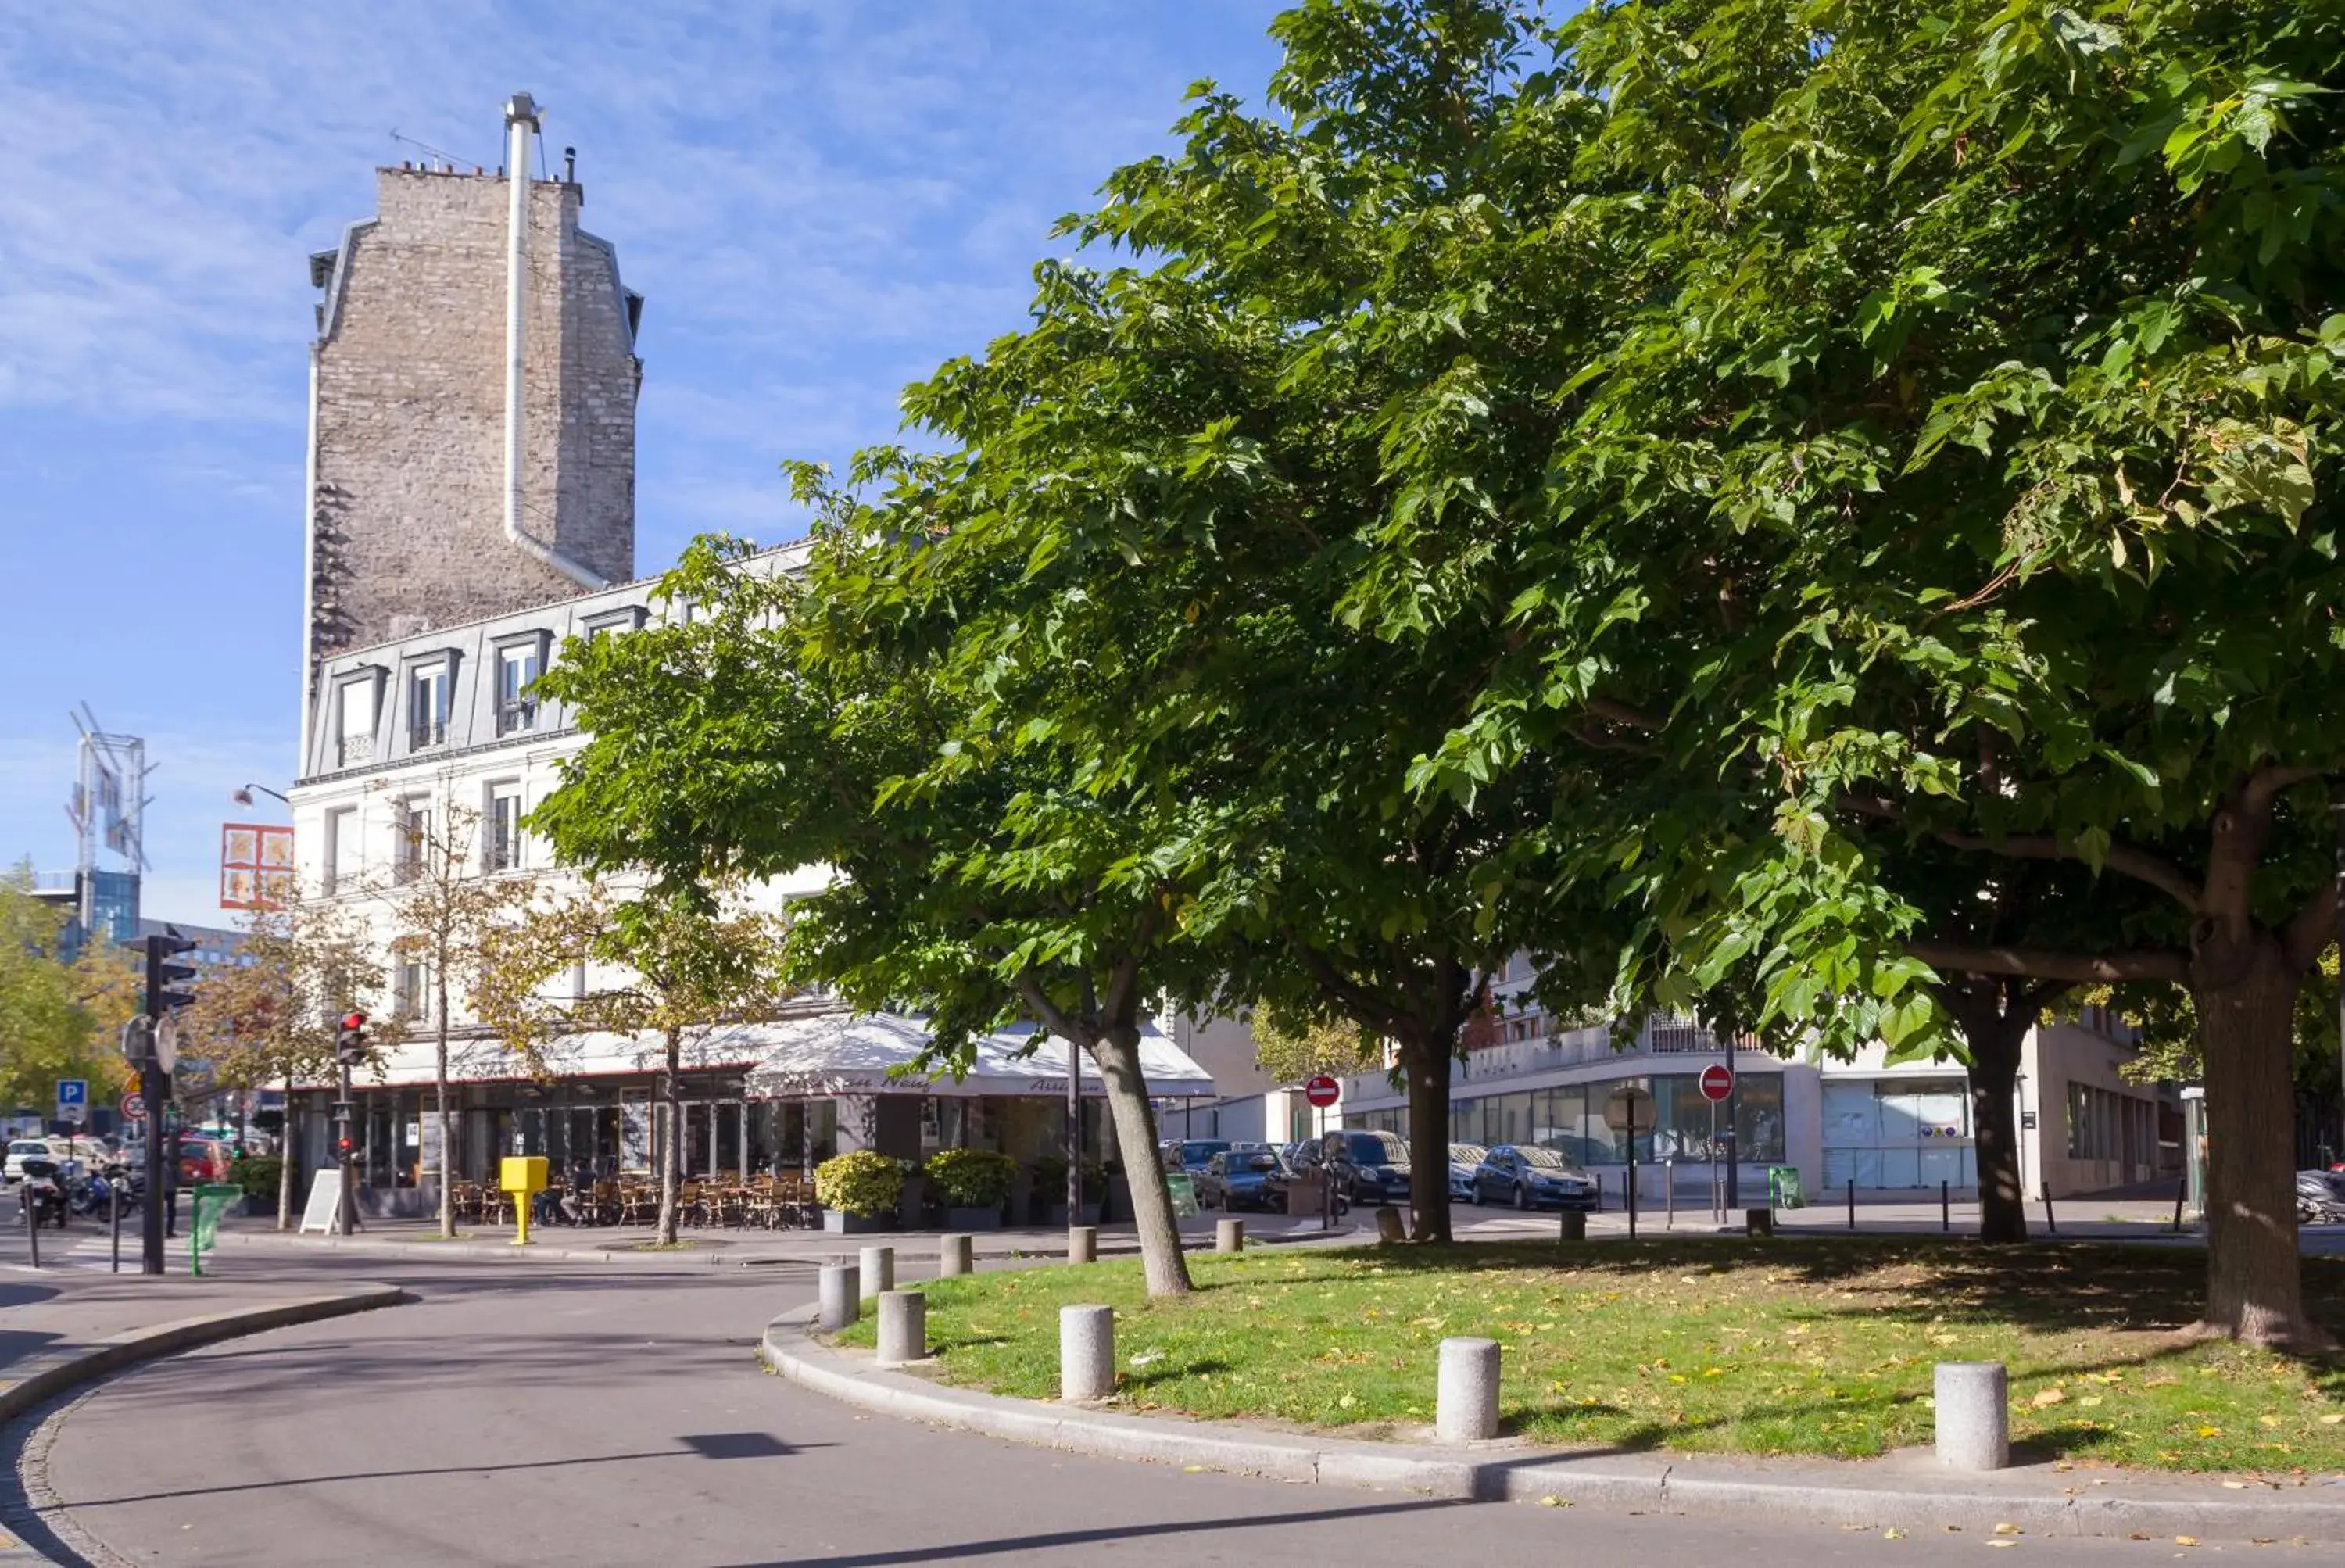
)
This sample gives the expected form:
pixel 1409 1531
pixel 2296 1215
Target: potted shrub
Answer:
pixel 973 1184
pixel 858 1191
pixel 257 1175
pixel 1051 1190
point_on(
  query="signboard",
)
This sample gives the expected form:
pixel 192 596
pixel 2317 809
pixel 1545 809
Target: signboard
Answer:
pixel 323 1212
pixel 1629 1108
pixel 73 1091
pixel 256 866
pixel 1717 1081
pixel 1322 1091
pixel 133 1108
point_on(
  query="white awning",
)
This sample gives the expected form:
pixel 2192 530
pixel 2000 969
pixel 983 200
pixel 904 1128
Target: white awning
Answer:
pixel 855 1054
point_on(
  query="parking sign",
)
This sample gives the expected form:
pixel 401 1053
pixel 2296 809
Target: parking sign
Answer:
pixel 72 1092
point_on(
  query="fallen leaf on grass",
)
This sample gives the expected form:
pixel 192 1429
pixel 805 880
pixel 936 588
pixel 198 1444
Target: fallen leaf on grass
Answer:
pixel 2210 1432
pixel 2051 1395
pixel 2335 1421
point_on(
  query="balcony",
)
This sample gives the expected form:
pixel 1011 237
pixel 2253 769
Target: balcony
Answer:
pixel 516 717
pixel 425 734
pixel 354 750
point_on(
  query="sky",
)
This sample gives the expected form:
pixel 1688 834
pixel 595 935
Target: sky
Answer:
pixel 820 202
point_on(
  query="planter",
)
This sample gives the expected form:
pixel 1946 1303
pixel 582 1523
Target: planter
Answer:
pixel 1058 1215
pixel 839 1222
pixel 910 1207
pixel 260 1204
pixel 972 1219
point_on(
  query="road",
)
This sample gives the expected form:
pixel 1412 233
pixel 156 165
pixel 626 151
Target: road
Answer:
pixel 524 1414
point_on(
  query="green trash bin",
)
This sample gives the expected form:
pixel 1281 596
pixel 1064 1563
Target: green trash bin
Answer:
pixel 212 1200
pixel 1783 1189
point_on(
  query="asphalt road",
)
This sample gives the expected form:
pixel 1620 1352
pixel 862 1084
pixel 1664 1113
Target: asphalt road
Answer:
pixel 528 1414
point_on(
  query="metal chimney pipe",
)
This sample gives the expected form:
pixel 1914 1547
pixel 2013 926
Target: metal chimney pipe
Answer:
pixel 521 124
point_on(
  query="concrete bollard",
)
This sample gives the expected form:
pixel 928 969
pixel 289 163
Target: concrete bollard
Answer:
pixel 1229 1236
pixel 1388 1225
pixel 1571 1224
pixel 956 1254
pixel 1086 1352
pixel 1082 1243
pixel 903 1327
pixel 878 1264
pixel 1759 1222
pixel 1973 1411
pixel 1465 1404
pixel 840 1296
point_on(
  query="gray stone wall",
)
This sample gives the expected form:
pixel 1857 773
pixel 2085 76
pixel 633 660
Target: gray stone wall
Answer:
pixel 410 414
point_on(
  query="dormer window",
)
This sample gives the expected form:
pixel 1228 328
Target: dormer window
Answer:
pixel 428 693
pixel 517 669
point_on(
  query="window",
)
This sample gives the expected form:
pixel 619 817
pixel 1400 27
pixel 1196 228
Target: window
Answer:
pixel 611 623
pixel 344 852
pixel 354 732
pixel 427 708
pixel 413 850
pixel 411 988
pixel 504 846
pixel 517 669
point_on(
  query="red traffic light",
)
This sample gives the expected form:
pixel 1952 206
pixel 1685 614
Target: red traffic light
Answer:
pixel 344 1144
pixel 354 1021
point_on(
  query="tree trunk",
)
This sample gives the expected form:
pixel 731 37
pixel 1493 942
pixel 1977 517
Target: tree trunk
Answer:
pixel 1161 1258
pixel 440 1090
pixel 1427 1066
pixel 285 1164
pixel 671 1139
pixel 1995 1040
pixel 2245 993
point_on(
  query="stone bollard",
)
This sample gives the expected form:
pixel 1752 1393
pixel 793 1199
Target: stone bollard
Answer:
pixel 1973 1411
pixel 841 1296
pixel 1572 1224
pixel 1759 1222
pixel 903 1327
pixel 1082 1243
pixel 878 1264
pixel 1388 1225
pixel 1229 1236
pixel 1466 1401
pixel 956 1254
pixel 1086 1352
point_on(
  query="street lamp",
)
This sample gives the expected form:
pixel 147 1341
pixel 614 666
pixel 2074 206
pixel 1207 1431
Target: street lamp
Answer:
pixel 243 796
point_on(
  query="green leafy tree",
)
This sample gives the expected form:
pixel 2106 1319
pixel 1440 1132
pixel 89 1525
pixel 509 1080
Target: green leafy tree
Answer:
pixel 53 1020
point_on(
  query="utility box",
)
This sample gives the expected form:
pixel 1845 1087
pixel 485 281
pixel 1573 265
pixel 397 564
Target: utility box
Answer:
pixel 523 1174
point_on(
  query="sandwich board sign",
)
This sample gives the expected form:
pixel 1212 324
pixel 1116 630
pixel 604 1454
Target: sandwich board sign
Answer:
pixel 323 1212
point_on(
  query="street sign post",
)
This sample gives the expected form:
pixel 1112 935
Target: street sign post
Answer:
pixel 1322 1091
pixel 1717 1082
pixel 1623 1113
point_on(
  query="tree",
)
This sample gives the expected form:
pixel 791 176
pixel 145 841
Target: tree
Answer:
pixel 447 912
pixel 54 1017
pixel 679 963
pixel 1292 1049
pixel 270 1017
pixel 1942 446
pixel 824 720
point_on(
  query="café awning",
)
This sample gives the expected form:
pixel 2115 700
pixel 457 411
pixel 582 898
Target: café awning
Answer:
pixel 873 1053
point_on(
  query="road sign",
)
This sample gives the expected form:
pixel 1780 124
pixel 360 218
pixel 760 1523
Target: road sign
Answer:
pixel 1322 1091
pixel 74 1115
pixel 133 1108
pixel 1717 1081
pixel 73 1091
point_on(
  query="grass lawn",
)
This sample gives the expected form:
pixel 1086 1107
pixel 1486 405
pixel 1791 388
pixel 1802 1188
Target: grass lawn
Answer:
pixel 1786 1347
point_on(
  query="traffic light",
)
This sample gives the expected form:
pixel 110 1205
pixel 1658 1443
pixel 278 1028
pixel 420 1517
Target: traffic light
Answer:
pixel 163 978
pixel 350 1041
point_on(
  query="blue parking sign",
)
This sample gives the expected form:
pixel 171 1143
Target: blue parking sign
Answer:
pixel 73 1091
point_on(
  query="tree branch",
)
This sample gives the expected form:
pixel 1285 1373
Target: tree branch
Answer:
pixel 1356 1000
pixel 2127 860
pixel 1621 713
pixel 2043 963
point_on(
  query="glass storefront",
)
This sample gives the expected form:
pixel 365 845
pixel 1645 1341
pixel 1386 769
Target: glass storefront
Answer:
pixel 1898 1133
pixel 1570 1119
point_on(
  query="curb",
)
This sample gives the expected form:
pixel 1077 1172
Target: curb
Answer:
pixel 117 1351
pixel 1917 1498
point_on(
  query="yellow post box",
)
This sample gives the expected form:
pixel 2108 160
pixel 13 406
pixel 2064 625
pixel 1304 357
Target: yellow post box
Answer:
pixel 523 1175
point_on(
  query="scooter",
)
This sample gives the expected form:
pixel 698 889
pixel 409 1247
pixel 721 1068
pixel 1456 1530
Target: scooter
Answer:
pixel 41 1197
pixel 2320 1197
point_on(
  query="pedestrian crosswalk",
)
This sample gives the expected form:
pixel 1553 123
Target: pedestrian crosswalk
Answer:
pixel 83 1252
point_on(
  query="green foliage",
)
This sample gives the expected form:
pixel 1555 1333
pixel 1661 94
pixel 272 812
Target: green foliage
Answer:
pixel 973 1178
pixel 51 1021
pixel 1292 1050
pixel 859 1183
pixel 258 1173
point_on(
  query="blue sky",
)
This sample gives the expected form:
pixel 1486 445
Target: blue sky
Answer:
pixel 820 201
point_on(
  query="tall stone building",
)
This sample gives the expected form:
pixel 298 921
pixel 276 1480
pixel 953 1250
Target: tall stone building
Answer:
pixel 472 405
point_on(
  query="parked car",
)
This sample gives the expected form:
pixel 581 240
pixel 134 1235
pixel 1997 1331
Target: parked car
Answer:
pixel 1244 1179
pixel 1464 1160
pixel 1189 1154
pixel 1368 1166
pixel 202 1160
pixel 21 1149
pixel 1529 1176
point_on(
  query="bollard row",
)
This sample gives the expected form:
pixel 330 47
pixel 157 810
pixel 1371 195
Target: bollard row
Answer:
pixel 903 1327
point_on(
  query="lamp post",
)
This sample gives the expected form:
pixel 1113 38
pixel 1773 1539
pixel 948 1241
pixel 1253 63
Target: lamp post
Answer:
pixel 243 794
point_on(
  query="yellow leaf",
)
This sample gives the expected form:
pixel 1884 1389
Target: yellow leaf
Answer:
pixel 1553 1501
pixel 2051 1395
pixel 2335 1421
pixel 2006 1527
pixel 2089 1400
pixel 2210 1432
pixel 2186 1541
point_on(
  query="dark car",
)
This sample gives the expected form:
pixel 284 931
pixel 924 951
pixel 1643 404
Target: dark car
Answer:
pixel 1368 1167
pixel 1529 1176
pixel 1464 1159
pixel 1244 1179
pixel 1190 1155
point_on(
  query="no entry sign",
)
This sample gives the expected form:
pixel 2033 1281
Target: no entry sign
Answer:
pixel 1717 1081
pixel 1322 1091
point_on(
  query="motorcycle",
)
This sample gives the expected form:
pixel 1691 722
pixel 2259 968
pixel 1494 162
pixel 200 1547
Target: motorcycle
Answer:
pixel 42 1197
pixel 2320 1197
pixel 92 1192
